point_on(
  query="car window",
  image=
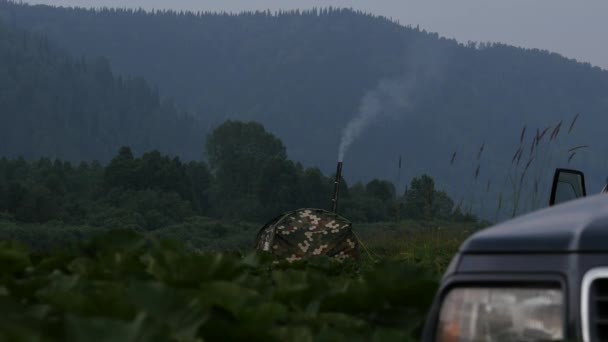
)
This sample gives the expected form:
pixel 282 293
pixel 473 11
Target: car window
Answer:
pixel 565 192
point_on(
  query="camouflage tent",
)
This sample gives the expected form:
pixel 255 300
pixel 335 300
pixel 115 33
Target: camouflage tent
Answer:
pixel 307 232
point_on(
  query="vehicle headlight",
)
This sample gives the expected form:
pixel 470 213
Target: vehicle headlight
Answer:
pixel 501 314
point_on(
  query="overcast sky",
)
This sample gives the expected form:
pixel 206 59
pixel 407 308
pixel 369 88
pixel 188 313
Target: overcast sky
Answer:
pixel 574 28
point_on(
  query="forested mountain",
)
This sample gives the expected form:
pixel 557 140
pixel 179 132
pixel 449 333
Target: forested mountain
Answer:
pixel 52 105
pixel 304 75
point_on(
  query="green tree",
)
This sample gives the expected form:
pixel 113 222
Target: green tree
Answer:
pixel 420 198
pixel 380 189
pixel 200 180
pixel 38 205
pixel 247 144
pixel 315 189
pixel 278 189
pixel 238 154
pixel 366 203
pixel 443 205
pixel 121 172
pixel 155 171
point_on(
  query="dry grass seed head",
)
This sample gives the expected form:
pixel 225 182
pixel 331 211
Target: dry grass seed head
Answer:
pixel 555 132
pixel 515 155
pixel 521 153
pixel 533 145
pixel 573 122
pixel 544 132
pixel 453 158
pixel 481 150
pixel 577 148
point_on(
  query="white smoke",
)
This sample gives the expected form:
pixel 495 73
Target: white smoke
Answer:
pixel 386 100
pixel 391 98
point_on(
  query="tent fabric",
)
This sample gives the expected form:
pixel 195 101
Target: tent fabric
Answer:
pixel 308 232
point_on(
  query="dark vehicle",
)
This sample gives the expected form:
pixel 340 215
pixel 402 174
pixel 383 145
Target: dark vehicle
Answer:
pixel 539 277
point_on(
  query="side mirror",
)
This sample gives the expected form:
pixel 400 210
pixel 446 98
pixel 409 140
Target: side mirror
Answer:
pixel 567 185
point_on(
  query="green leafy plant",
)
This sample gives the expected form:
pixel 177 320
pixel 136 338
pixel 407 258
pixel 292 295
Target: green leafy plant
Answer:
pixel 124 286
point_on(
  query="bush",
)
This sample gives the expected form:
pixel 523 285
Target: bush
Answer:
pixel 120 286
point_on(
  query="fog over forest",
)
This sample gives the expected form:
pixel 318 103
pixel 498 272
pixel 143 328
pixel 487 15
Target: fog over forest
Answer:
pixel 401 92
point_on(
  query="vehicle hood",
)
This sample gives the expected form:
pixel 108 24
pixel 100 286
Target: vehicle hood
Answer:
pixel 576 226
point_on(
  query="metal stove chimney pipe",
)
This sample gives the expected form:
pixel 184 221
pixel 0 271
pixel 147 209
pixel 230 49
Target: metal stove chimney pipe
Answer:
pixel 334 201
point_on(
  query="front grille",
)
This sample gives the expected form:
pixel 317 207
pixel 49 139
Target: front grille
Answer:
pixel 598 309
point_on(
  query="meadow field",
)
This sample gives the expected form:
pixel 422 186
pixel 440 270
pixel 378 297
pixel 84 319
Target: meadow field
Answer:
pixel 193 285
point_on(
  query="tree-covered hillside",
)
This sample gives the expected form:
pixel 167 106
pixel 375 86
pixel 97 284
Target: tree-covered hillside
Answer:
pixel 303 75
pixel 52 105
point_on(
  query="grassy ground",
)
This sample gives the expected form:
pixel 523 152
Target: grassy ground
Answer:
pixel 428 243
pixel 431 244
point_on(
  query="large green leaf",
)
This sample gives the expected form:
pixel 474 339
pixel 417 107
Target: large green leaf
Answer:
pixel 106 330
pixel 142 290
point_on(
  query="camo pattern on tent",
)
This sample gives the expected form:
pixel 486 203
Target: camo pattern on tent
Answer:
pixel 307 232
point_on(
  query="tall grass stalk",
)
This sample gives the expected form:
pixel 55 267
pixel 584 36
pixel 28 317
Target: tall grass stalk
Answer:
pixel 528 179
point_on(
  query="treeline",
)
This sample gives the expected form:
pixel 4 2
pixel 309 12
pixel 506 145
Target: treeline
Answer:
pixel 53 105
pixel 247 178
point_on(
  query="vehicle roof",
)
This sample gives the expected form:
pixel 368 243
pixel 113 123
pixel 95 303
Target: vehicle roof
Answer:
pixel 576 226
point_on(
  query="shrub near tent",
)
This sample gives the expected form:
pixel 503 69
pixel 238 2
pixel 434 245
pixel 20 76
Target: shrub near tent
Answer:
pixel 308 232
